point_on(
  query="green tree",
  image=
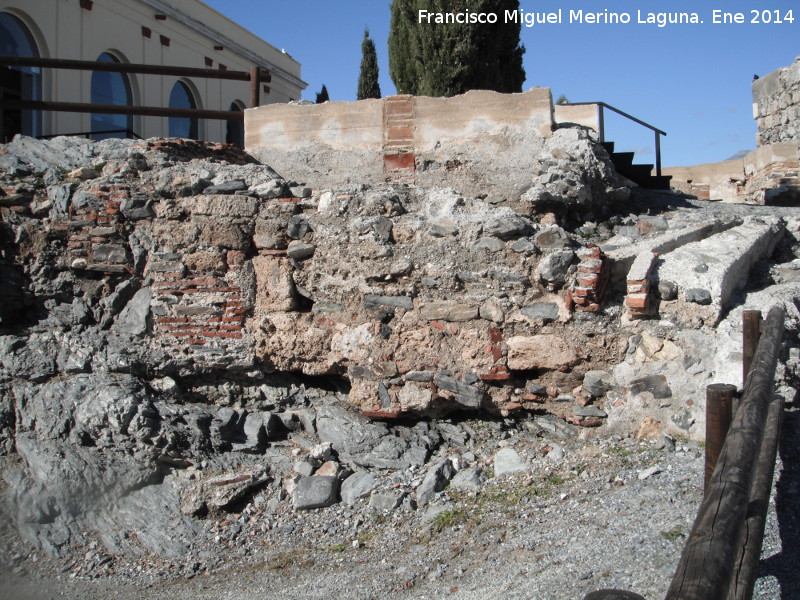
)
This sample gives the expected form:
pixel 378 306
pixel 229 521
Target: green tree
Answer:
pixel 322 95
pixel 447 59
pixel 368 86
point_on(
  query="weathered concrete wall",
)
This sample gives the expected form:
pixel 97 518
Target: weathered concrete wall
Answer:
pixel 582 114
pixel 452 141
pixel 439 121
pixel 337 125
pixel 776 105
pixel 767 175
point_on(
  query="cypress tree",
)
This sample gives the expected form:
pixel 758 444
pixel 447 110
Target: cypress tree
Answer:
pixel 322 95
pixel 448 59
pixel 368 86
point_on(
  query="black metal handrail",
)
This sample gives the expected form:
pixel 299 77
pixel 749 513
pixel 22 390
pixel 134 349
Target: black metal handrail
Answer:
pixel 601 126
pixel 129 134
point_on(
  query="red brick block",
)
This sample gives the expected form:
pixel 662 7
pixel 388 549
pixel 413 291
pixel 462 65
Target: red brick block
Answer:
pixel 398 161
pixel 637 300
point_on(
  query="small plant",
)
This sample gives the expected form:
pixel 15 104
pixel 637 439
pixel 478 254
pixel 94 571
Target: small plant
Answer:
pixel 674 533
pixel 283 560
pixel 337 548
pixel 450 518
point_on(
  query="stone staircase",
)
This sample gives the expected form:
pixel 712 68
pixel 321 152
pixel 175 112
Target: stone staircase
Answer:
pixel 638 173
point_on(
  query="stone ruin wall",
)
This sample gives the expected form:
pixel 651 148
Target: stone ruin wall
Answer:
pixel 176 304
pixel 776 105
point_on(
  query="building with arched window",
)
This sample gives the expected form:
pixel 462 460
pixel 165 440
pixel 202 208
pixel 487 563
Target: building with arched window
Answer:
pixel 176 33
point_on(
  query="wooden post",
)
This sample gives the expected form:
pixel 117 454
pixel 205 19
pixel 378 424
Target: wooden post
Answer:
pixel 707 563
pixel 751 331
pixel 255 86
pixel 746 569
pixel 719 412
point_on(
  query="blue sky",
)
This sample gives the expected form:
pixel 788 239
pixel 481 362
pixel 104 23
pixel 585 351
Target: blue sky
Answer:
pixel 692 81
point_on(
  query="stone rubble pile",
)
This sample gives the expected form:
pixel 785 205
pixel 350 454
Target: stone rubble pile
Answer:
pixel 183 328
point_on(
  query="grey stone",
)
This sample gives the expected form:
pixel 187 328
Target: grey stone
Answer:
pixel 300 250
pixel 327 307
pixel 467 480
pixel 133 320
pixel 683 419
pixel 349 433
pixel 443 228
pixel 269 190
pixel 229 187
pixel 436 479
pixel 490 311
pixel 467 395
pixel 554 266
pixel 523 246
pixel 506 277
pixel 300 191
pixel 386 501
pixel 297 227
pixel 315 492
pixel 698 296
pixel 597 383
pixel 508 461
pixel 589 410
pixel 555 427
pixel 667 290
pixel 507 228
pixel 421 376
pixel 303 468
pixel 358 485
pixel 488 243
pixel 556 452
pixel 547 311
pixel 404 302
pixel 550 238
pixel 383 395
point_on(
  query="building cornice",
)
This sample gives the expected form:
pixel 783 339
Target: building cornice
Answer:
pixel 219 38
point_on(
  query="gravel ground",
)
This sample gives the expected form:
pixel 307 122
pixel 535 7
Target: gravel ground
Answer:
pixel 609 513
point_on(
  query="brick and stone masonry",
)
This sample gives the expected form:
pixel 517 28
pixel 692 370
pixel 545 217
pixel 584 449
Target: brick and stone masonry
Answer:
pixel 592 278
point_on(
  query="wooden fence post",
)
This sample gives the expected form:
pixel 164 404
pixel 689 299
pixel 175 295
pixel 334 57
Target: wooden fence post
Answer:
pixel 719 413
pixel 751 331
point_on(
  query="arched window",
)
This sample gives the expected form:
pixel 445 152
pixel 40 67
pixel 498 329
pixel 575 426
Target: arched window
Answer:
pixel 110 88
pixel 182 127
pixel 18 83
pixel 234 131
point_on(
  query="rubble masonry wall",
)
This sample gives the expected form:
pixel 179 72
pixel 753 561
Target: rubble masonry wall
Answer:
pixel 776 105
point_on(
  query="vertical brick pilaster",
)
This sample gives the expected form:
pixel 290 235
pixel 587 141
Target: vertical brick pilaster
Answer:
pixel 590 285
pixel 398 138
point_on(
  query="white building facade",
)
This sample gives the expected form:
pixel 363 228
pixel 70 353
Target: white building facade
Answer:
pixel 175 33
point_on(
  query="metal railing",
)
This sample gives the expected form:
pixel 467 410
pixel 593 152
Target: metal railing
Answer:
pixel 256 76
pixel 601 133
pixel 721 556
pixel 128 133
